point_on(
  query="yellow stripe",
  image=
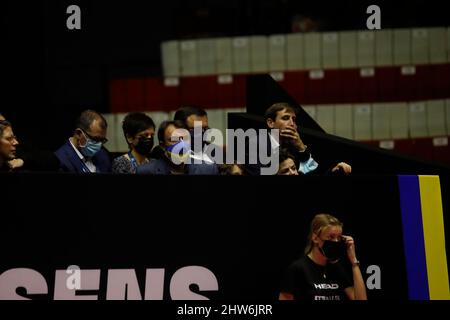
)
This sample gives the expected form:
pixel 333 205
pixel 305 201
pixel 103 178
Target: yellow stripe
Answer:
pixel 433 229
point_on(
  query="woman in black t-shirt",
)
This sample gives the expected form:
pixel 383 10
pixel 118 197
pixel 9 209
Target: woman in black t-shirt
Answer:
pixel 319 274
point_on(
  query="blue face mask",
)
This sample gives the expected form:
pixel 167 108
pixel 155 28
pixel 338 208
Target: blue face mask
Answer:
pixel 90 148
pixel 178 152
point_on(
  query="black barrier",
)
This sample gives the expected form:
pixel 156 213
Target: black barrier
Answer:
pixel 239 232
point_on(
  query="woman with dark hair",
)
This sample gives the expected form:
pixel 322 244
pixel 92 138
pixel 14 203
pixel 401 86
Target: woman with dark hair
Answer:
pixel 139 131
pixel 287 165
pixel 319 274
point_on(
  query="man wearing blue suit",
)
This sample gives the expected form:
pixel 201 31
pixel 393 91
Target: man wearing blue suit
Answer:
pixel 84 152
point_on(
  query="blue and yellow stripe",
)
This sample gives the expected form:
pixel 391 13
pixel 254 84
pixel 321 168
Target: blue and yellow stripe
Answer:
pixel 424 237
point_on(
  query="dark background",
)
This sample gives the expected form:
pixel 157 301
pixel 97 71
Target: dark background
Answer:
pixel 51 73
pixel 111 221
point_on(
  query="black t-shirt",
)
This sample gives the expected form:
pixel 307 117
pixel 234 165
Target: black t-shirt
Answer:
pixel 306 280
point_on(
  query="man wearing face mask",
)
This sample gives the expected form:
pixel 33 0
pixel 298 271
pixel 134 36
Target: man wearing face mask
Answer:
pixel 84 152
pixel 320 273
pixel 192 116
pixel 139 131
pixel 174 146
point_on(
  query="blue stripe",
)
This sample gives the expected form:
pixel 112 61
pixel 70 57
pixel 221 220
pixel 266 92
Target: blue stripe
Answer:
pixel 413 238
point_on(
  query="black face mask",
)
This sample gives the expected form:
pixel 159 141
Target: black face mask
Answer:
pixel 144 146
pixel 334 250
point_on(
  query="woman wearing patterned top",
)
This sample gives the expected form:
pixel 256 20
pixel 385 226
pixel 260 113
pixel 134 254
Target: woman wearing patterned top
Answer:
pixel 139 131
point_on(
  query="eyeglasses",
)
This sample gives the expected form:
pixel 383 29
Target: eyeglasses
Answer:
pixel 96 139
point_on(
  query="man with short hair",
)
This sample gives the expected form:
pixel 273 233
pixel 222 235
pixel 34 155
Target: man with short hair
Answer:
pixel 282 116
pixel 84 151
pixel 189 115
pixel 175 154
pixel 8 144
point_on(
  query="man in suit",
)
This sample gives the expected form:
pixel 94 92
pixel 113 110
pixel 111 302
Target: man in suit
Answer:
pixel 190 116
pixel 84 151
pixel 282 116
pixel 175 154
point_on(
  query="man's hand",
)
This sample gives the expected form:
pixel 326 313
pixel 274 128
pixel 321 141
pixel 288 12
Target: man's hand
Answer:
pixel 291 135
pixel 342 167
pixel 15 163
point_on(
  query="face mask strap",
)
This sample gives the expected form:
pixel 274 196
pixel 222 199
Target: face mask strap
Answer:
pixel 86 138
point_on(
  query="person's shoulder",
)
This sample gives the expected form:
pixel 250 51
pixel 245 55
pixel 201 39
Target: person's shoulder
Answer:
pixel 301 262
pixel 121 164
pixel 65 154
pixel 63 148
pixel 120 159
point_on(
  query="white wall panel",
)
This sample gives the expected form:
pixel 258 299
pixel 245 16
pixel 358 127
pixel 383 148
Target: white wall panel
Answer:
pixel 447 115
pixel 294 51
pixel 313 50
pixel 362 121
pixel 343 121
pixel 381 121
pixel 384 55
pixel 436 118
pixel 259 54
pixel 311 110
pixel 241 55
pixel 436 46
pixel 417 119
pixel 224 56
pixel 277 52
pixel 347 49
pixel 366 48
pixel 206 52
pixel 170 58
pixel 402 46
pixel 419 46
pixel 325 117
pixel 330 50
pixel 399 120
pixel 188 52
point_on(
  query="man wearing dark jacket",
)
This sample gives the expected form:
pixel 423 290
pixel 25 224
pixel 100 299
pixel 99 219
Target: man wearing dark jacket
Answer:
pixel 282 116
pixel 84 151
pixel 174 154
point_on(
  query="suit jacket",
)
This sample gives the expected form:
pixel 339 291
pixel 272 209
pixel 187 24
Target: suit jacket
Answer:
pixel 161 167
pixel 69 161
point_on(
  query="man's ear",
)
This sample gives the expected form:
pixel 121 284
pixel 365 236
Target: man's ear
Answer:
pixel 270 123
pixel 78 133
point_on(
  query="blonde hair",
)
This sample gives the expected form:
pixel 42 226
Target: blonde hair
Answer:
pixel 319 223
